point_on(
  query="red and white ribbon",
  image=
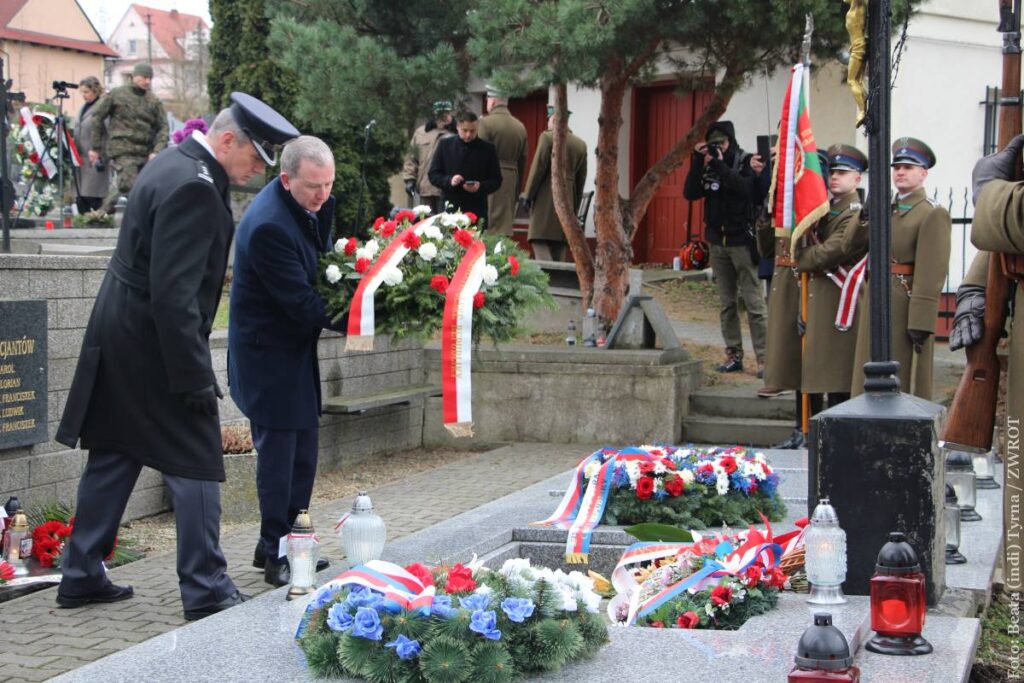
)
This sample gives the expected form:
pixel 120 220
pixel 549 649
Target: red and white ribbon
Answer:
pixel 361 315
pixel 457 341
pixel 42 155
pixel 850 294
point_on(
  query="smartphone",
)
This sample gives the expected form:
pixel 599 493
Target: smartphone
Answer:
pixel 764 147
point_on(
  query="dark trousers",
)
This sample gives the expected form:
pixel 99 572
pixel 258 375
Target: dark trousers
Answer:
pixel 285 470
pixel 87 204
pixel 103 493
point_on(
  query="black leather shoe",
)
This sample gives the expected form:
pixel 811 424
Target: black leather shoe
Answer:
pixel 195 614
pixel 795 441
pixel 277 575
pixel 109 593
pixel 259 560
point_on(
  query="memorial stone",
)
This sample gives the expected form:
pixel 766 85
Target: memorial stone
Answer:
pixel 23 367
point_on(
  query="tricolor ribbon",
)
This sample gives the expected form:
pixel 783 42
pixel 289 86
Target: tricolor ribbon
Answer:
pixel 361 320
pixel 28 122
pixel 850 294
pixel 457 341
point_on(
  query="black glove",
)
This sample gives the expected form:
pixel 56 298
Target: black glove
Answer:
pixel 203 401
pixel 525 204
pixel 1001 165
pixel 410 187
pixel 970 314
pixel 918 338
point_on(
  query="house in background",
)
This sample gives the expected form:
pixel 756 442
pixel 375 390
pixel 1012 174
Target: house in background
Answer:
pixel 176 44
pixel 42 41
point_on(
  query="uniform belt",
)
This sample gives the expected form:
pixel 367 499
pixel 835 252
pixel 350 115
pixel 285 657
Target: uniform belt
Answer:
pixel 785 262
pixel 127 275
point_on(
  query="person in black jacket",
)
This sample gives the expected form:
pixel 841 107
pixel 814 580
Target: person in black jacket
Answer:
pixel 723 175
pixel 144 391
pixel 275 323
pixel 466 168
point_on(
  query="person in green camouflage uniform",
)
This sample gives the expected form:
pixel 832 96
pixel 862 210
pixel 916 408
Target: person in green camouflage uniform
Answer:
pixel 136 130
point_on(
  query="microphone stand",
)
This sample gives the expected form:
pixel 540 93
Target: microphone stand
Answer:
pixel 362 175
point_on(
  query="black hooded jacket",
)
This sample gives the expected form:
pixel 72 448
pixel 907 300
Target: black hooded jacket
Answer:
pixel 730 188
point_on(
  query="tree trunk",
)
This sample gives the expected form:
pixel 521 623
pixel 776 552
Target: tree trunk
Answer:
pixel 560 194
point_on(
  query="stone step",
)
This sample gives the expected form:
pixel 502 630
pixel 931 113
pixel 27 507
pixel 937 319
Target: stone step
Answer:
pixel 735 430
pixel 741 400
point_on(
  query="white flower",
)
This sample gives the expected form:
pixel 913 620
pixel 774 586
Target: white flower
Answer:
pixel 515 565
pixel 432 232
pixel 687 476
pixel 339 246
pixel 498 248
pixel 363 252
pixel 633 470
pixel 421 210
pixel 427 251
pixel 333 273
pixel 490 275
pixel 709 608
pixel 392 276
pixel 448 220
pixel 722 484
pixel 462 220
pixel 568 597
pixel 659 468
pixel 372 247
pixel 591 601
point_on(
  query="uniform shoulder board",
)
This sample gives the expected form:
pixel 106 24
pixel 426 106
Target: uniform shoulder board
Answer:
pixel 204 172
pixel 855 206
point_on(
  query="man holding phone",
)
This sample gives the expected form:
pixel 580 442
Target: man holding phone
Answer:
pixel 466 169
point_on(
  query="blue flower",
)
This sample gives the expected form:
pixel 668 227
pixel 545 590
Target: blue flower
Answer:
pixel 364 597
pixel 338 618
pixel 366 624
pixel 620 477
pixel 517 609
pixel 442 607
pixel 475 602
pixel 324 596
pixel 405 648
pixel 770 484
pixel 485 623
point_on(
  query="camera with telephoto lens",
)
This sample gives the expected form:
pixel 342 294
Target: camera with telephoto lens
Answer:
pixel 100 165
pixel 714 148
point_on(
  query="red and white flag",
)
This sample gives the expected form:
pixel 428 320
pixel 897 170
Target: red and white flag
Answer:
pixel 457 341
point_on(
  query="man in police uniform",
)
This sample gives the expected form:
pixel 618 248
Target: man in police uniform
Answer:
pixel 421 151
pixel 508 135
pixel 276 319
pixel 144 392
pixel 920 242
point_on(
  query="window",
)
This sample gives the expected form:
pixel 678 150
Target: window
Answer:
pixel 131 47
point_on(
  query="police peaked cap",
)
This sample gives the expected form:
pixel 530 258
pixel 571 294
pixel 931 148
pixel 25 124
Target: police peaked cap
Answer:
pixel 913 152
pixel 847 158
pixel 267 129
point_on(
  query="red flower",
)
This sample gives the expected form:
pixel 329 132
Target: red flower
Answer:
pixel 688 620
pixel 460 580
pixel 439 283
pixel 646 468
pixel 405 215
pixel 777 578
pixel 362 264
pixel 378 222
pixel 706 468
pixel 388 229
pixel 478 300
pixel 46 549
pixel 728 463
pixel 657 624
pixel 668 463
pixel 751 577
pixel 644 488
pixel 513 262
pixel 422 573
pixel 6 571
pixel 350 246
pixel 721 595
pixel 463 237
pixel 410 240
pixel 471 216
pixel 674 486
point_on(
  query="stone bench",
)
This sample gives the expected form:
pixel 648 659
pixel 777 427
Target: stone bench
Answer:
pixel 360 403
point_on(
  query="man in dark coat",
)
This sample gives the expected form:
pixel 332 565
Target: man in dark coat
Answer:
pixel 144 392
pixel 466 168
pixel 275 322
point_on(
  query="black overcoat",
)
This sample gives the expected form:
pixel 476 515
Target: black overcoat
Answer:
pixel 475 160
pixel 147 341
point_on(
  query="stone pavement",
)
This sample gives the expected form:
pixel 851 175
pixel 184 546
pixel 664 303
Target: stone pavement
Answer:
pixel 40 640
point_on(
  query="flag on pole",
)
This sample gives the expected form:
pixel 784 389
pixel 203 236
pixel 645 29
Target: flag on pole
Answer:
pixel 799 194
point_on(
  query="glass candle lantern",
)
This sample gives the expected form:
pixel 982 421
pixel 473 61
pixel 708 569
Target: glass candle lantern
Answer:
pixel 960 474
pixel 951 514
pixel 303 550
pixel 985 469
pixel 897 601
pixel 363 533
pixel 17 544
pixel 825 544
pixel 823 655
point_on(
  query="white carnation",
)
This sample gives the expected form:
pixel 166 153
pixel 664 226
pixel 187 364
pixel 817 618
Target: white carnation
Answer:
pixel 490 275
pixel 372 247
pixel 462 220
pixel 427 251
pixel 339 246
pixel 432 232
pixel 498 248
pixel 333 273
pixel 421 210
pixel 687 476
pixel 363 252
pixel 392 276
pixel 448 220
pixel 591 601
pixel 659 468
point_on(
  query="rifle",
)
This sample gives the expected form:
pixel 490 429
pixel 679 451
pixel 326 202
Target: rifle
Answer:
pixel 972 414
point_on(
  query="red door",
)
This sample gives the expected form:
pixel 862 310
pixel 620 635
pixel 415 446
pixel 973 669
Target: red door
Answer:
pixel 662 115
pixel 532 111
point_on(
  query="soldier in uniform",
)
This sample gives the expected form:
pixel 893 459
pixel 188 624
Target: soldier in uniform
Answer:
pixel 144 391
pixel 508 135
pixel 421 151
pixel 920 259
pixel 136 130
pixel 546 235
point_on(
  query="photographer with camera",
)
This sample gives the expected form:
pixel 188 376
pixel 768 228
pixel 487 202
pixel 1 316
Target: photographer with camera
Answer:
pixel 93 179
pixel 726 177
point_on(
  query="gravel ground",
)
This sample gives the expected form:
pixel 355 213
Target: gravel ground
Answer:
pixel 155 535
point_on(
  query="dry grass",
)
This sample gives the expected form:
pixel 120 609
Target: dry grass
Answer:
pixel 686 300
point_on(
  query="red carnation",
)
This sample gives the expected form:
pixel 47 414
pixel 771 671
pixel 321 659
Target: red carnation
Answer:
pixel 752 576
pixel 777 578
pixel 388 229
pixel 362 264
pixel 688 620
pixel 6 571
pixel 405 215
pixel 471 216
pixel 439 283
pixel 478 300
pixel 378 222
pixel 668 463
pixel 646 467
pixel 644 488
pixel 674 486
pixel 728 463
pixel 513 262
pixel 721 595
pixel 351 245
pixel 422 573
pixel 410 240
pixel 706 468
pixel 460 580
pixel 464 237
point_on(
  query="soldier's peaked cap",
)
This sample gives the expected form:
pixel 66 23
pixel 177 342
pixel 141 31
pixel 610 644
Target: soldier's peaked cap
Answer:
pixel 267 129
pixel 847 158
pixel 912 151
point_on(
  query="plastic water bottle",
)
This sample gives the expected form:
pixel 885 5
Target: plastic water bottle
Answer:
pixel 570 336
pixel 590 328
